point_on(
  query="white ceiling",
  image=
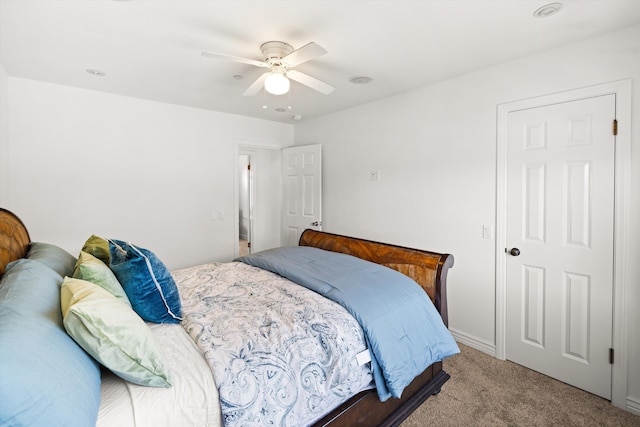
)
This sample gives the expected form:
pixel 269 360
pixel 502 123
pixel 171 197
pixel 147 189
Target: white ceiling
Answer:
pixel 151 49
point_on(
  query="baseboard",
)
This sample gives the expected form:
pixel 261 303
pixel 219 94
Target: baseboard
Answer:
pixel 633 406
pixel 473 342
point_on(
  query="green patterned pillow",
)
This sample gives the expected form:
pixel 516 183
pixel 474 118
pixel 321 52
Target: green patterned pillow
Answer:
pixel 112 333
pixel 98 247
pixel 93 270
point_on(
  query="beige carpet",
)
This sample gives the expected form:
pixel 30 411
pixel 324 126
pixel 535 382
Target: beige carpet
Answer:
pixel 484 391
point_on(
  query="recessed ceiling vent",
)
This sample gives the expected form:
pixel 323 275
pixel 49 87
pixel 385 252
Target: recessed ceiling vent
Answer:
pixel 547 10
pixel 360 80
pixel 95 72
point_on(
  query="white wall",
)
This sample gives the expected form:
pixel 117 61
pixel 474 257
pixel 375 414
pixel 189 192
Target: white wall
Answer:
pixel 436 150
pixel 84 162
pixel 4 136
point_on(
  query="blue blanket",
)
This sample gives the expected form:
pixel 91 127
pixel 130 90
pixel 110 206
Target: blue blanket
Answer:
pixel 404 331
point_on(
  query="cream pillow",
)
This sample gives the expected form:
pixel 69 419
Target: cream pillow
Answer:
pixel 112 333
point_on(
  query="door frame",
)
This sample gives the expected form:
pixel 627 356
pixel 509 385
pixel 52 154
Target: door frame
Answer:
pixel 243 151
pixel 240 145
pixel 622 200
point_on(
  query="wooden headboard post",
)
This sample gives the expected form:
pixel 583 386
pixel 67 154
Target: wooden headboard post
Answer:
pixel 428 269
pixel 14 239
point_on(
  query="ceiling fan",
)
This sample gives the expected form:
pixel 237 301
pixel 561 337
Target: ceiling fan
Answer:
pixel 280 58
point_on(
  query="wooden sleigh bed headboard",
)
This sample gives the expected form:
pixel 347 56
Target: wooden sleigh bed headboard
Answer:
pixel 14 239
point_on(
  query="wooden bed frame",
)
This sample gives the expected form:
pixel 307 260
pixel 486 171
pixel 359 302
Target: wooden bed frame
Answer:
pixel 14 239
pixel 429 269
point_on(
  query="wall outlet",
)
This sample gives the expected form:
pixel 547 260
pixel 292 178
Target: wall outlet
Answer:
pixel 374 176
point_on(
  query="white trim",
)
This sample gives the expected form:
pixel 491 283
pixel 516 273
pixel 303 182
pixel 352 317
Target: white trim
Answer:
pixel 501 238
pixel 621 252
pixel 473 342
pixel 633 406
pixel 622 90
pixel 245 143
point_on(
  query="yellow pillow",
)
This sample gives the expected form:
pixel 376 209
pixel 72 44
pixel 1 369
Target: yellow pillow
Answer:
pixel 112 333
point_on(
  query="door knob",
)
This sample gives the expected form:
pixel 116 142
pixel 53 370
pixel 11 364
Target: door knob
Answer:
pixel 515 251
pixel 316 223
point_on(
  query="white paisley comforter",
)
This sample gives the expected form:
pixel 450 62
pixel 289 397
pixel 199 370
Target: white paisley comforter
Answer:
pixel 281 354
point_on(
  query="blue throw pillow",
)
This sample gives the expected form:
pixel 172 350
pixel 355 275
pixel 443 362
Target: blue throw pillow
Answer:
pixel 46 379
pixel 147 282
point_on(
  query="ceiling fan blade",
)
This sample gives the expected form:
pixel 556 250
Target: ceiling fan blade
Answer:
pixel 304 54
pixel 312 82
pixel 236 58
pixel 256 86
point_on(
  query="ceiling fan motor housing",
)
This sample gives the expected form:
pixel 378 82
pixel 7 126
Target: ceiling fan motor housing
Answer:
pixel 273 51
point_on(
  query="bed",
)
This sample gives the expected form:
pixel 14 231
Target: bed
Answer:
pixel 216 376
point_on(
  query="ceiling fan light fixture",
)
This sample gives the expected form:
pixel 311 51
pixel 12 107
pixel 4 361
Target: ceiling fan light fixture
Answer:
pixel 277 83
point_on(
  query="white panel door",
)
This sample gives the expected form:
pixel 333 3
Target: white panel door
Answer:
pixel 302 191
pixel 560 211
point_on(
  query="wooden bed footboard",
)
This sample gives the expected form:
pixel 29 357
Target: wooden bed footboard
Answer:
pixel 429 270
pixel 365 409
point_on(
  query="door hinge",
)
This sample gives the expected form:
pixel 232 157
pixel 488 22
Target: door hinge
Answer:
pixel 615 127
pixel 611 356
pixel 249 167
